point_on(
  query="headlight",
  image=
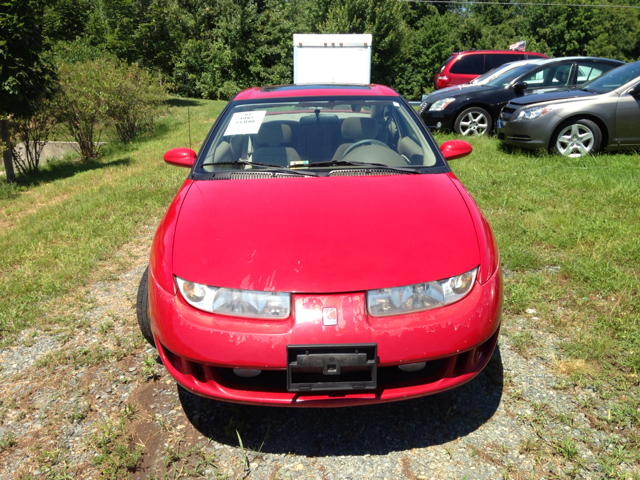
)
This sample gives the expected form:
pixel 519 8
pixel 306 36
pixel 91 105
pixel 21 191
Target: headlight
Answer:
pixel 237 303
pixel 442 104
pixel 533 113
pixel 422 296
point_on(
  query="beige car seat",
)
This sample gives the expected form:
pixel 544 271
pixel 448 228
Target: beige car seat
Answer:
pixel 272 140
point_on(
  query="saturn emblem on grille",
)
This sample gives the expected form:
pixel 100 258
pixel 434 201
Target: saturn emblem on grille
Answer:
pixel 330 316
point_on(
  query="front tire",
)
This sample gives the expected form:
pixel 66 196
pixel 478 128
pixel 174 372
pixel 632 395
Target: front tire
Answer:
pixel 142 308
pixel 577 139
pixel 473 121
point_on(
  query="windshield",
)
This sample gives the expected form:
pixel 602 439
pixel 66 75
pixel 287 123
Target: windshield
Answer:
pixel 507 77
pixel 298 133
pixel 484 76
pixel 614 78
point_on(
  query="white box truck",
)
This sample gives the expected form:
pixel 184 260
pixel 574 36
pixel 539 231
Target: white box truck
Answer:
pixel 343 59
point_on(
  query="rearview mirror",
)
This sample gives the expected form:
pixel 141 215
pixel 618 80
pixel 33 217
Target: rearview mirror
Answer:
pixel 180 157
pixel 455 149
pixel 520 86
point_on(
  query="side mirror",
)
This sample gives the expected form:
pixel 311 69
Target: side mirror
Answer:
pixel 455 149
pixel 520 86
pixel 634 91
pixel 180 157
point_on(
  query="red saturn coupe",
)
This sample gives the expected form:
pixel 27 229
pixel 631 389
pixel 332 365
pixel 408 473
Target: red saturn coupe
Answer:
pixel 321 253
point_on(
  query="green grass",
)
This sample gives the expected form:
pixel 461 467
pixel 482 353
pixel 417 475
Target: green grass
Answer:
pixel 56 230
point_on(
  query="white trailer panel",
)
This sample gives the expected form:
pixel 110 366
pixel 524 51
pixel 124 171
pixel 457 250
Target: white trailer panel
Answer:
pixel 332 58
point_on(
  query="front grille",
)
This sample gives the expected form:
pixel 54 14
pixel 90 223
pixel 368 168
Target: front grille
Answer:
pixel 388 377
pixel 506 113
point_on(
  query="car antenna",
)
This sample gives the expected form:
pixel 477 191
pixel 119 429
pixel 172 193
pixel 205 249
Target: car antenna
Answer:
pixel 189 121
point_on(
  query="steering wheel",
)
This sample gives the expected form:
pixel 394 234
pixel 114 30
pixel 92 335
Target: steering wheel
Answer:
pixel 366 141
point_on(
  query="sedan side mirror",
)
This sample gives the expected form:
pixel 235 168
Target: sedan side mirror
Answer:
pixel 520 86
pixel 455 149
pixel 180 157
pixel 634 91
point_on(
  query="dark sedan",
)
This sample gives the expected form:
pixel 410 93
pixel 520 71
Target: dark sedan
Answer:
pixel 473 110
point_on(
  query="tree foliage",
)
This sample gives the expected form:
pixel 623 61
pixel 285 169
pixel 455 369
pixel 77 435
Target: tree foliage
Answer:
pixel 25 74
pixel 213 48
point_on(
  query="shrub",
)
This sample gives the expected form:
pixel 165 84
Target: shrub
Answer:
pixel 32 131
pixel 101 90
pixel 132 99
pixel 82 106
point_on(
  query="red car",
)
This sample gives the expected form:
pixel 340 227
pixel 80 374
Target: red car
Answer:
pixel 462 67
pixel 321 253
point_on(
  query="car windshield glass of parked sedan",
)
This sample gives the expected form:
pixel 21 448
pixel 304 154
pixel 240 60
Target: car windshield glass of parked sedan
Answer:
pixel 507 77
pixel 614 78
pixel 310 133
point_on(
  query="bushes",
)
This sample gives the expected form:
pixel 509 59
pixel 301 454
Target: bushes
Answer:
pixel 105 90
pixel 32 131
pixel 132 97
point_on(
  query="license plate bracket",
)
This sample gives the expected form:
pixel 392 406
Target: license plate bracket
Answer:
pixel 331 367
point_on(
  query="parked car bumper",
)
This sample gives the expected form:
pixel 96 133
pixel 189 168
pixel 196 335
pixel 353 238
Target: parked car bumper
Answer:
pixel 527 133
pixel 200 350
pixel 438 120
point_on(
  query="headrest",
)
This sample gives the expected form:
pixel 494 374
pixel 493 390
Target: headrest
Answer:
pixel 358 128
pixel 274 134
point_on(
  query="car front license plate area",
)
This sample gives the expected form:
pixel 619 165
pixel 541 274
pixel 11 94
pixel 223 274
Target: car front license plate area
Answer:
pixel 331 367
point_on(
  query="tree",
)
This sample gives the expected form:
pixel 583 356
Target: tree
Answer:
pixel 25 74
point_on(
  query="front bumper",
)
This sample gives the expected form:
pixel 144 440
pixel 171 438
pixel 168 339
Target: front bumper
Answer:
pixel 199 349
pixel 436 120
pixel 531 134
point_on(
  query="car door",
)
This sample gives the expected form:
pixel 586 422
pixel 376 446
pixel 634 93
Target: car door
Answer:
pixel 628 119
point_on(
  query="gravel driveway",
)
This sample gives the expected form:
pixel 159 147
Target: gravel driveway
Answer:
pixel 95 402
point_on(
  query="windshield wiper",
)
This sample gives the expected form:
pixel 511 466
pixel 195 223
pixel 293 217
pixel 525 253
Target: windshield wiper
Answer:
pixel 263 165
pixel 332 163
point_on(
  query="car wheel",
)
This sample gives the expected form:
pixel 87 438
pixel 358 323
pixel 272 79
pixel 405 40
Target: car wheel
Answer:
pixel 142 308
pixel 577 139
pixel 473 121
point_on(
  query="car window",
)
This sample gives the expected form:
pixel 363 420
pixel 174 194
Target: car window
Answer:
pixel 591 71
pixel 446 62
pixel 469 65
pixel 286 133
pixel 493 60
pixel 614 78
pixel 507 77
pixel 552 76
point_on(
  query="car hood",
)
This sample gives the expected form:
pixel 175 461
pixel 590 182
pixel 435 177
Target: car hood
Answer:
pixel 455 91
pixel 551 96
pixel 324 234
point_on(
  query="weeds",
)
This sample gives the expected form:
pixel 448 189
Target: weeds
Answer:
pixel 7 441
pixel 117 454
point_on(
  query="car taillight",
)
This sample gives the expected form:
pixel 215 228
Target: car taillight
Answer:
pixel 443 80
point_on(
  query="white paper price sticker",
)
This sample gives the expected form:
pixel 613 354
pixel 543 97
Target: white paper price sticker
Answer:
pixel 245 123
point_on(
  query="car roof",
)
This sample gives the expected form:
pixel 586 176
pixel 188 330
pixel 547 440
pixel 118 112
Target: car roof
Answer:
pixel 283 91
pixel 611 60
pixel 515 52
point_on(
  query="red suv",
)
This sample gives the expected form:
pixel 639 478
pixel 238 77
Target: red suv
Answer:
pixel 462 67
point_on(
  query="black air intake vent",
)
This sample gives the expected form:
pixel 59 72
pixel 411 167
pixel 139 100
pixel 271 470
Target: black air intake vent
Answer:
pixel 365 173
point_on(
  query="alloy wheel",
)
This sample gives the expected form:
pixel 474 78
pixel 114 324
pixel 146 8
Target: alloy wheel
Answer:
pixel 575 140
pixel 474 123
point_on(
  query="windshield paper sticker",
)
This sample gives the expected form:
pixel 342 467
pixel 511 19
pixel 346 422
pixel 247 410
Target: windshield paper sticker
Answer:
pixel 245 123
